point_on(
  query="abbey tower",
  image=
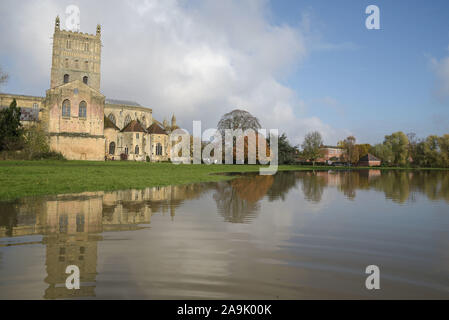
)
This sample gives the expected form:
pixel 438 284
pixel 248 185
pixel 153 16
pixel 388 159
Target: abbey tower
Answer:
pixel 76 56
pixel 80 122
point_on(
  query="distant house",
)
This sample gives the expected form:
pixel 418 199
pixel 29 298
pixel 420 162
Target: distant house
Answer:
pixel 331 153
pixel 369 161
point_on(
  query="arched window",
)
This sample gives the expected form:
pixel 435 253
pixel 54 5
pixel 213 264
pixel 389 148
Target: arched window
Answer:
pixel 66 78
pixel 85 79
pixel 127 120
pixel 136 150
pixel 112 148
pixel 83 109
pixel 126 150
pixel 66 108
pixel 112 118
pixel 159 149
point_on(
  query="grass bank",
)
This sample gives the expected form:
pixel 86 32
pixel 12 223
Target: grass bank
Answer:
pixel 35 178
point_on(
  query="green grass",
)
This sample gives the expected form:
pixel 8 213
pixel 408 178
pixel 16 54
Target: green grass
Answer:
pixel 35 178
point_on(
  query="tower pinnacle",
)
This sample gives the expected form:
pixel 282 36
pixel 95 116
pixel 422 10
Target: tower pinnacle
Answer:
pixel 57 24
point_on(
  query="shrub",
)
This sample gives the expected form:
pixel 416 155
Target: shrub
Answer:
pixel 123 157
pixel 148 158
pixel 13 155
pixel 36 142
pixel 48 155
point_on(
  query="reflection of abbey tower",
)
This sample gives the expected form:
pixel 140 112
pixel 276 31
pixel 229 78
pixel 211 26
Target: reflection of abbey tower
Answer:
pixel 70 237
pixel 78 249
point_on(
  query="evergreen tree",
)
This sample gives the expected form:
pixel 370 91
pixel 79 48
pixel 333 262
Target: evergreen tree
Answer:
pixel 11 131
pixel 286 151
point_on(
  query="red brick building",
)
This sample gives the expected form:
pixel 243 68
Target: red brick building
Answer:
pixel 331 153
pixel 369 161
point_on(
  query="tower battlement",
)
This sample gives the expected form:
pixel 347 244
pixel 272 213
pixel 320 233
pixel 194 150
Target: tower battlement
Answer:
pixel 78 34
pixel 76 56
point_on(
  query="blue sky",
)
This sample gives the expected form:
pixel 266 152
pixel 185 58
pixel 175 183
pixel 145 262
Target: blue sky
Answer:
pixel 298 65
pixel 382 79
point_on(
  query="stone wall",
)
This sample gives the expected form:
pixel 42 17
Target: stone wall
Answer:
pixel 77 147
pixel 164 141
pixel 112 135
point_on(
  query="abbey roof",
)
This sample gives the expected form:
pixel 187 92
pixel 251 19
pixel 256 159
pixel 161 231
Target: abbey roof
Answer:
pixel 133 126
pixel 109 124
pixel 122 102
pixel 155 129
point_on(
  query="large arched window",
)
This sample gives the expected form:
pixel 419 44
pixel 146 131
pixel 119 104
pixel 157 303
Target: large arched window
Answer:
pixel 85 79
pixel 136 150
pixel 159 149
pixel 112 148
pixel 112 118
pixel 66 78
pixel 127 120
pixel 83 109
pixel 66 108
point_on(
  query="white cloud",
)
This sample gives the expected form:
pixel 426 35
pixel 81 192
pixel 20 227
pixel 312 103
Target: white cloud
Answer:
pixel 198 60
pixel 441 69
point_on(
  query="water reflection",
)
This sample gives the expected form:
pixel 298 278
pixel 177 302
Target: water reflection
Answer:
pixel 237 201
pixel 72 226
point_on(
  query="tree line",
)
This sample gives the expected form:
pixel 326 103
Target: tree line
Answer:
pixel 397 149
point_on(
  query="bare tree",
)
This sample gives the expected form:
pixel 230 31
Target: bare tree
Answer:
pixel 3 77
pixel 238 119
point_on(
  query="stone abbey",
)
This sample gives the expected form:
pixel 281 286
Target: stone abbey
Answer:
pixel 82 124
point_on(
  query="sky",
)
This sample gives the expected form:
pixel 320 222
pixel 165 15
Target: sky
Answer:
pixel 297 65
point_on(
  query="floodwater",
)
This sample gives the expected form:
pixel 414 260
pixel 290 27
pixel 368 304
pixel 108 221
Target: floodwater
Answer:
pixel 295 235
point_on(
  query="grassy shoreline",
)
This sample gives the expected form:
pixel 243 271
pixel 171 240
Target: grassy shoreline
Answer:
pixel 37 178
